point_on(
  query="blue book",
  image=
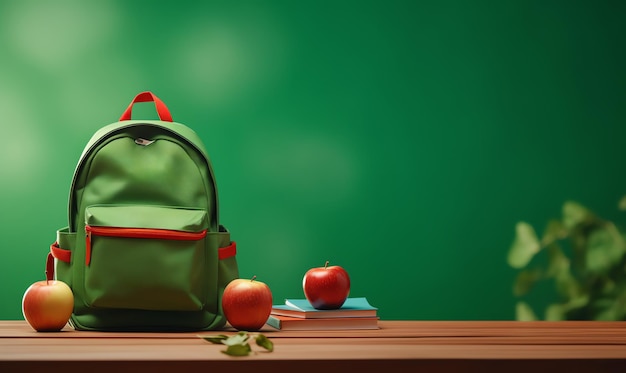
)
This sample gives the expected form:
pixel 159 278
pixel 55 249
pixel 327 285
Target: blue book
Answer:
pixel 301 308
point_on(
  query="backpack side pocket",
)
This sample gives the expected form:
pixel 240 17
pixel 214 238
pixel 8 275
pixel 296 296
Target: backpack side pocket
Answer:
pixel 62 251
pixel 227 267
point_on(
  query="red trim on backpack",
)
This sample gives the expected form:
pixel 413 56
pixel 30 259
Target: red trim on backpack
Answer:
pixel 159 234
pixel 59 253
pixel 228 251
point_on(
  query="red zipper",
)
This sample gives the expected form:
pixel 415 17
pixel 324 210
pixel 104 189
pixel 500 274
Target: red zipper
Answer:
pixel 158 234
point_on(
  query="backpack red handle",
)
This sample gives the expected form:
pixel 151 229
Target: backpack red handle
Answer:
pixel 162 111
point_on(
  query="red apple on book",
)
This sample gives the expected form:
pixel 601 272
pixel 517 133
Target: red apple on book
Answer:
pixel 326 287
pixel 47 305
pixel 247 303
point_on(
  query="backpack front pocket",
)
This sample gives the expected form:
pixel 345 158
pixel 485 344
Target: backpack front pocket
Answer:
pixel 145 257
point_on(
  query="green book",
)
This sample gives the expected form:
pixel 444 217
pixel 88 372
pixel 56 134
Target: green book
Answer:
pixel 301 308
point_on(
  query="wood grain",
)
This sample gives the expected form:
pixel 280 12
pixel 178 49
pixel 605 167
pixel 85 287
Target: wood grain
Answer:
pixel 480 346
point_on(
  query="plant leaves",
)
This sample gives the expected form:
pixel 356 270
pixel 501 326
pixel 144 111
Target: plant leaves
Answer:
pixel 579 301
pixel 215 339
pixel 523 312
pixel 573 214
pixel 605 249
pixel 238 350
pixel 263 341
pixel 524 247
pixel 589 270
pixel 525 281
pixel 610 308
pixel 555 230
pixel 555 312
pixel 567 286
pixel 558 263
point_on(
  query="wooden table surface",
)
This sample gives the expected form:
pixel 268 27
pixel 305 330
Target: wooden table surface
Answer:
pixel 432 346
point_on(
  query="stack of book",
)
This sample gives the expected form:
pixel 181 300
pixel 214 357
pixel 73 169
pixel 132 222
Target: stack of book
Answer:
pixel 298 314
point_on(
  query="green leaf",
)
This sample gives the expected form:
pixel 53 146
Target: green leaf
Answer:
pixel 609 287
pixel 579 301
pixel 555 312
pixel 523 312
pixel 263 341
pixel 238 344
pixel 238 350
pixel 524 247
pixel 605 249
pixel 608 308
pixel 237 339
pixel 609 314
pixel 601 304
pixel 558 263
pixel 622 203
pixel 567 286
pixel 525 281
pixel 555 230
pixel 215 339
pixel 573 214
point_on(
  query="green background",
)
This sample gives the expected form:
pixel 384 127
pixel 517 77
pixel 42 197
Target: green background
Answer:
pixel 401 140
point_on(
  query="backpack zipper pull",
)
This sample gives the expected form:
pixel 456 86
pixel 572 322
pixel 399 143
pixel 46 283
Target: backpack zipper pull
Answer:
pixel 143 142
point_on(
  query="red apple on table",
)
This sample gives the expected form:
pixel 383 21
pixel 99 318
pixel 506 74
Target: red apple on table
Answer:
pixel 247 303
pixel 326 287
pixel 47 305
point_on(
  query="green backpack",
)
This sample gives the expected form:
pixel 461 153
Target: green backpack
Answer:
pixel 144 249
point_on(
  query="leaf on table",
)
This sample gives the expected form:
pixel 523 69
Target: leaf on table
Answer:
pixel 215 339
pixel 238 350
pixel 238 345
pixel 237 339
pixel 263 341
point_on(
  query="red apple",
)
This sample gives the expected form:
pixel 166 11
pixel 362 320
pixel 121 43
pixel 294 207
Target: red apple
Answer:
pixel 48 305
pixel 326 287
pixel 247 303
